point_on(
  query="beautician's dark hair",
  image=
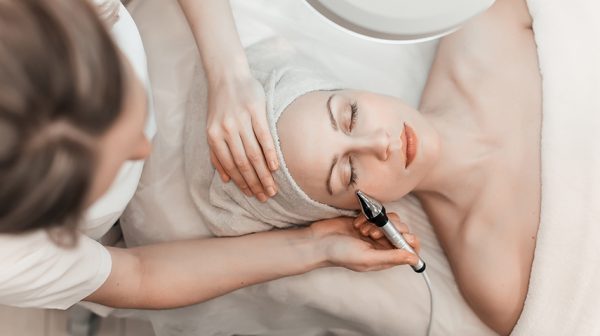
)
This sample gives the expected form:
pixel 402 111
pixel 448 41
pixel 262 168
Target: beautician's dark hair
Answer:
pixel 61 87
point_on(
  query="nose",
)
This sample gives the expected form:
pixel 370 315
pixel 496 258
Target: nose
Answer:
pixel 376 143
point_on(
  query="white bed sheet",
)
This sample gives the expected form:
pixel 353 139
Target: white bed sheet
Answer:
pixel 324 302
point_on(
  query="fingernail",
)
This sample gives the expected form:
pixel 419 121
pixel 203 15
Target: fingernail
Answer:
pixel 273 165
pixel 271 191
pixel 261 197
pixel 225 178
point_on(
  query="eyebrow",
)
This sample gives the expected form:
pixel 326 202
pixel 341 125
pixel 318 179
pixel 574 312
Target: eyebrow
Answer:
pixel 335 159
pixel 328 182
pixel 331 118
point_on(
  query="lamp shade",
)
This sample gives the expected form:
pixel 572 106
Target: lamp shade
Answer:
pixel 399 21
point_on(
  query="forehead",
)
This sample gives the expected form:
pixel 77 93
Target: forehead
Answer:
pixel 306 138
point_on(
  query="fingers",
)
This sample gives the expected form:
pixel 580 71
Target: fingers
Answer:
pixel 262 133
pixel 244 166
pixel 215 162
pixel 223 156
pixel 380 259
pixel 366 229
pixel 399 257
pixel 359 221
pixel 392 216
pixel 399 224
pixel 373 232
pixel 257 162
pixel 413 241
pixel 376 234
pixel 242 148
pixel 235 159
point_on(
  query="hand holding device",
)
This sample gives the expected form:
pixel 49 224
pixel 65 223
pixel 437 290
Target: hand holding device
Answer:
pixel 375 213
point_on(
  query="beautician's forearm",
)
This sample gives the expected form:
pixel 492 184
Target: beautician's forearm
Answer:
pixel 186 272
pixel 217 39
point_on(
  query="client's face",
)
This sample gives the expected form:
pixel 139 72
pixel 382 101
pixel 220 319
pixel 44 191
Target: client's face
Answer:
pixel 336 142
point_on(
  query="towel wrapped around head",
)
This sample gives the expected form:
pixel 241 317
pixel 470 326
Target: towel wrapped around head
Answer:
pixel 285 75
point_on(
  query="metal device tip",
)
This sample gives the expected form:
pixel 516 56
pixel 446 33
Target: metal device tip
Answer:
pixel 371 208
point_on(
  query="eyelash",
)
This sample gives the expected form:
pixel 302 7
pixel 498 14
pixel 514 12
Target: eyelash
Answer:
pixel 353 114
pixel 353 177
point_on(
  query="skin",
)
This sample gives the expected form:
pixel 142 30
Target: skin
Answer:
pixel 127 135
pixel 477 167
pixel 241 145
pixel 177 274
pixel 372 143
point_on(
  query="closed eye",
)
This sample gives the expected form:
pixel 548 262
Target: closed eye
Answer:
pixel 353 115
pixel 353 176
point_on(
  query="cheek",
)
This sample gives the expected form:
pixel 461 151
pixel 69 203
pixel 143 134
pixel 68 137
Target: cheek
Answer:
pixel 383 181
pixel 345 201
pixel 385 112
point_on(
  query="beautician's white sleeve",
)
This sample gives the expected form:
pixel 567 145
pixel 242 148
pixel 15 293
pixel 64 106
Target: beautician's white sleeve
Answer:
pixel 35 272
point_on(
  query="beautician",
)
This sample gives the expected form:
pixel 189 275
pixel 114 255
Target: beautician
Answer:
pixel 75 115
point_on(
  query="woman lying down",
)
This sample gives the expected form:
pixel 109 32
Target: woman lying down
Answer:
pixel 470 153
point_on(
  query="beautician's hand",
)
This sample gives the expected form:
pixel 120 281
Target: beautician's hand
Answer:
pixel 345 246
pixel 368 229
pixel 238 134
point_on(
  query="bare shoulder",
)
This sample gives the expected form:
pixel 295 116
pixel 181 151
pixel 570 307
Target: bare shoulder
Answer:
pixel 493 299
pixel 513 12
pixel 495 296
pixel 491 276
pixel 507 15
pixel 499 28
pixel 490 53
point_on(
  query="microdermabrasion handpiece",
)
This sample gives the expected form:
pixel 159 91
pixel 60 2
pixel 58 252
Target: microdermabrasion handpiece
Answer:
pixel 374 211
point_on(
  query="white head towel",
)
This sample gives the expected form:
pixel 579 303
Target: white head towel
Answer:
pixel 285 75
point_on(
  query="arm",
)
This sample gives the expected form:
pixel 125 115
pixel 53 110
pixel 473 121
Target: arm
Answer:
pixel 238 134
pixel 218 42
pixel 182 273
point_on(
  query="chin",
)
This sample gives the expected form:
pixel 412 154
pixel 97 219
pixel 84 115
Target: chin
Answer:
pixel 389 194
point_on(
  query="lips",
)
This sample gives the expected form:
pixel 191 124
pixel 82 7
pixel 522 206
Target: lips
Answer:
pixel 409 144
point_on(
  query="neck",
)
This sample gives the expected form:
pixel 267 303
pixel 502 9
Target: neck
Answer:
pixel 463 152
